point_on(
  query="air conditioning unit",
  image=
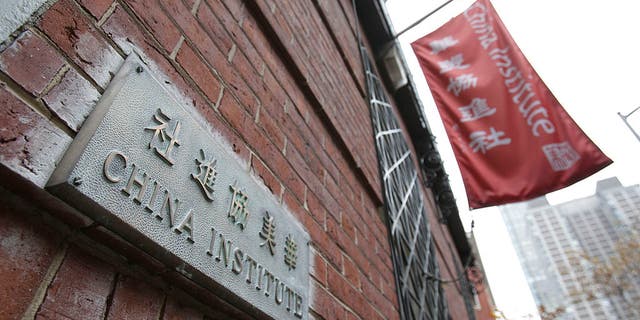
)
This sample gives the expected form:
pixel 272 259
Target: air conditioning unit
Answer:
pixel 392 61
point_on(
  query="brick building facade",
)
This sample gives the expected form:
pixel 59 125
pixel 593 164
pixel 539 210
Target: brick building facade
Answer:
pixel 282 82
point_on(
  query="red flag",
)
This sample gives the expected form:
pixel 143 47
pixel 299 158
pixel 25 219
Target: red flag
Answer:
pixel 512 139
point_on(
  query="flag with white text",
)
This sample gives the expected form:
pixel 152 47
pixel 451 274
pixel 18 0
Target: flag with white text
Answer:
pixel 512 139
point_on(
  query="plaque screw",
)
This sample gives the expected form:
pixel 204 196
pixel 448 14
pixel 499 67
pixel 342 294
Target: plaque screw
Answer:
pixel 77 181
pixel 139 69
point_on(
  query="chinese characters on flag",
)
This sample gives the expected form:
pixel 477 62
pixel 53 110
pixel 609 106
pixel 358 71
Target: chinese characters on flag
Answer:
pixel 512 139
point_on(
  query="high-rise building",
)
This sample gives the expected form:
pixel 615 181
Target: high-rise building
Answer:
pixel 555 242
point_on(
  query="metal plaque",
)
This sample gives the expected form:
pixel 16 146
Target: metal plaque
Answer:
pixel 145 168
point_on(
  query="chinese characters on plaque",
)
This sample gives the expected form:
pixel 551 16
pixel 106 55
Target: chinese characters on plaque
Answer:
pixel 161 136
pixel 267 232
pixel 166 143
pixel 206 175
pixel 158 175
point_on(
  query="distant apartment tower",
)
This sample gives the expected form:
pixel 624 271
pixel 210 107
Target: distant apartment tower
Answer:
pixel 551 241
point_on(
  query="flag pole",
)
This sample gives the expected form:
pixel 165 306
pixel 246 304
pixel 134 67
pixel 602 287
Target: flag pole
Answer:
pixel 624 119
pixel 420 20
pixel 391 41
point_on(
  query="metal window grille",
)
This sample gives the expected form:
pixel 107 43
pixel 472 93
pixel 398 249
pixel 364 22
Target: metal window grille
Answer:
pixel 413 252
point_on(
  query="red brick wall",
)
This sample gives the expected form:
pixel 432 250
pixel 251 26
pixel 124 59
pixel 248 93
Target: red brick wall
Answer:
pixel 281 81
pixel 51 270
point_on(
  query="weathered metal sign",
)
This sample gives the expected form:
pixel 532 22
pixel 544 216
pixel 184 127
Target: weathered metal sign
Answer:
pixel 145 168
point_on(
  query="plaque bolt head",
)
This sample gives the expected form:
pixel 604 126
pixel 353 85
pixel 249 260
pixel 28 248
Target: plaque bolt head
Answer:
pixel 77 181
pixel 139 69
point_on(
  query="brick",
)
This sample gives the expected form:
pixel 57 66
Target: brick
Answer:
pixel 350 271
pixel 29 144
pixel 79 289
pixel 308 146
pixel 312 162
pixel 337 192
pixel 325 244
pixel 239 118
pixel 375 314
pixel 297 111
pixel 336 233
pixel 222 309
pixel 306 160
pixel 96 7
pixel 134 299
pixel 157 22
pixel 72 99
pixel 388 288
pixel 31 62
pixel 329 165
pixel 378 300
pixel 129 37
pixel 133 254
pixel 237 34
pixel 298 163
pixel 315 208
pixel 379 269
pixel 388 310
pixel 366 268
pixel 282 124
pixel 199 72
pixel 369 290
pixel 319 237
pixel 393 297
pixel 238 146
pixel 184 20
pixel 352 316
pixel 125 32
pixel 259 169
pixel 245 69
pixel 347 172
pixel 277 92
pixel 324 79
pixel 265 149
pixel 324 304
pixel 208 49
pixel 277 21
pixel 27 249
pixel 338 25
pixel 214 28
pixel 295 205
pixel 175 310
pixel 350 296
pixel 275 108
pixel 347 245
pixel 272 129
pixel 319 267
pixel 362 229
pixel 73 33
pixel 236 7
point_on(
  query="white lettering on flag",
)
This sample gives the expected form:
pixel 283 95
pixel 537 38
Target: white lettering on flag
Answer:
pixel 561 156
pixel 481 141
pixel 462 82
pixel 438 46
pixel 480 24
pixel 452 64
pixel 511 135
pixel 477 109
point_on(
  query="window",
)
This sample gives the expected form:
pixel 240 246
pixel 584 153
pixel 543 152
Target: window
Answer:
pixel 414 258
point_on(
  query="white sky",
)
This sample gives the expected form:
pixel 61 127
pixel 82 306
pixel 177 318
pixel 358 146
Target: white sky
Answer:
pixel 588 54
